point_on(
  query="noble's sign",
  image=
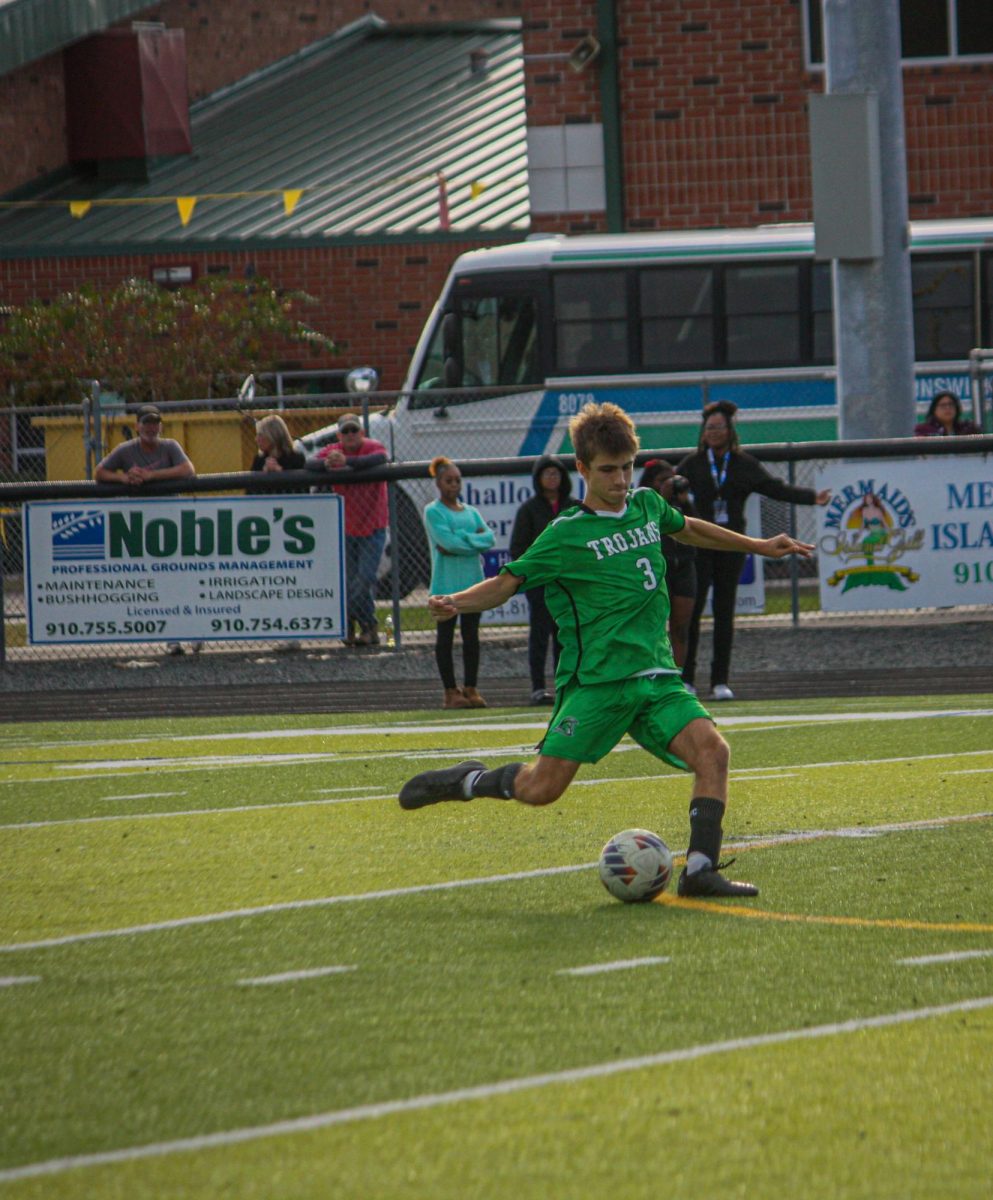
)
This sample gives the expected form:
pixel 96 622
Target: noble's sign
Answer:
pixel 162 569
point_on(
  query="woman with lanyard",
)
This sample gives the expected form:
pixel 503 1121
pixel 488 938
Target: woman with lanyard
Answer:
pixel 721 479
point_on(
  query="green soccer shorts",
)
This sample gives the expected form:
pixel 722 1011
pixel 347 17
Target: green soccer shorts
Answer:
pixel 588 721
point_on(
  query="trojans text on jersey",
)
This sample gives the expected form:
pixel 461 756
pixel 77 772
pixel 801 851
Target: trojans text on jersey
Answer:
pixel 629 539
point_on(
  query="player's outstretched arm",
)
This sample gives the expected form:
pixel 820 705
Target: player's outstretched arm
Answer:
pixel 708 536
pixel 488 594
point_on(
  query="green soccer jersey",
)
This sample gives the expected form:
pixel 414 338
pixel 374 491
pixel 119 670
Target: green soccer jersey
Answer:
pixel 604 581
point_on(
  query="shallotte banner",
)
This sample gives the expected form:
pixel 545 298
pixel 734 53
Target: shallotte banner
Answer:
pixel 899 534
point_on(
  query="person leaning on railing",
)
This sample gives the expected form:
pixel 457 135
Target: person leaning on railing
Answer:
pixel 366 521
pixel 148 458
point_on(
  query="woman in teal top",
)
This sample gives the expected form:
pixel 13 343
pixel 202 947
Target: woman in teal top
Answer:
pixel 458 535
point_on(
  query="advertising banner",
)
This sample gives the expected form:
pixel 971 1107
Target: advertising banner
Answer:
pixel 901 534
pixel 171 569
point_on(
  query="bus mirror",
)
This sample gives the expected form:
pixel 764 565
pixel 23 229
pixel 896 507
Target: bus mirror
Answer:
pixel 362 379
pixel 450 335
pixel 452 373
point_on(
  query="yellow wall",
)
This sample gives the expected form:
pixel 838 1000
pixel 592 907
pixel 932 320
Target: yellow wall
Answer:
pixel 215 441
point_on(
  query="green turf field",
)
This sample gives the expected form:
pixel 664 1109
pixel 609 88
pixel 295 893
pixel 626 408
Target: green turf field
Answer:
pixel 230 965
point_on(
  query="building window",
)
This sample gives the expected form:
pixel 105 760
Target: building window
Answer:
pixel 565 168
pixel 928 29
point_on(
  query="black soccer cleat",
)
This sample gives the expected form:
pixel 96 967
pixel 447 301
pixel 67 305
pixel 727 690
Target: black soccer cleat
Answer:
pixel 713 883
pixel 432 787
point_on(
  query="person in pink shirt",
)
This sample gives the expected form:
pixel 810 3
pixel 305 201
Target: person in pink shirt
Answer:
pixel 366 521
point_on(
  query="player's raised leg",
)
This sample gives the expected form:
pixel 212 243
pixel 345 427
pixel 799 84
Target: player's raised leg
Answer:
pixel 708 756
pixel 536 783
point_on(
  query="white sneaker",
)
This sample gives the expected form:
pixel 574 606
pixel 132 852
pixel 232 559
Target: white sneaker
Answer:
pixel 722 692
pixel 690 688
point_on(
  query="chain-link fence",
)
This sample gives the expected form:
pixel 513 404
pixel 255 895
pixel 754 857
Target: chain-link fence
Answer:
pixel 496 438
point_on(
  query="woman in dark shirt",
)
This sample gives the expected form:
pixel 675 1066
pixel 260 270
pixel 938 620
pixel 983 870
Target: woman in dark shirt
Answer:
pixel 944 418
pixel 721 478
pixel 276 451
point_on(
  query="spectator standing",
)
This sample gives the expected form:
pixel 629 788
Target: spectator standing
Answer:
pixel 721 478
pixel 552 495
pixel 276 452
pixel 457 535
pixel 680 558
pixel 148 458
pixel 366 521
pixel 944 418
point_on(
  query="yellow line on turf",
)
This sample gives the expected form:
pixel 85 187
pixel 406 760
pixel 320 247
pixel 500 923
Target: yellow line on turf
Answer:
pixel 812 919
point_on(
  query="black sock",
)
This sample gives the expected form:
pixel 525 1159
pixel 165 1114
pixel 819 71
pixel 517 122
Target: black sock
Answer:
pixel 706 834
pixel 498 783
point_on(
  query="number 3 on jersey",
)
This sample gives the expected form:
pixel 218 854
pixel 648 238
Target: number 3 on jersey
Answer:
pixel 651 583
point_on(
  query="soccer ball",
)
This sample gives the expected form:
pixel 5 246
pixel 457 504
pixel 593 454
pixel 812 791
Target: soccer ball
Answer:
pixel 635 865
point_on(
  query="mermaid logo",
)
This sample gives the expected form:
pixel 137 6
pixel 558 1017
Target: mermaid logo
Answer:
pixel 875 524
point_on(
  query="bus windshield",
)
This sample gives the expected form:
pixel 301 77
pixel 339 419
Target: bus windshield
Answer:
pixel 498 343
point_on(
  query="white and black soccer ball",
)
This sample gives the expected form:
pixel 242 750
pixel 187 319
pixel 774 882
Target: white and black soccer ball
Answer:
pixel 635 865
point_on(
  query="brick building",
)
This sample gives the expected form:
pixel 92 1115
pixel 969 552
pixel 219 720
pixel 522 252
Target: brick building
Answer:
pixel 683 114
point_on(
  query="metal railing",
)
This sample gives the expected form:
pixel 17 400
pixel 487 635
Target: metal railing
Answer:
pixel 401 590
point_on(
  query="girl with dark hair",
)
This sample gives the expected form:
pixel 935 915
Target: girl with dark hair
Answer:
pixel 552 495
pixel 944 418
pixel 721 478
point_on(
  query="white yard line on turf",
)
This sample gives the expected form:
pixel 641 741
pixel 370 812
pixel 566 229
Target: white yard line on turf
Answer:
pixel 108 768
pixel 196 812
pixel 486 725
pixel 485 1091
pixel 927 960
pixel 782 839
pixel 141 796
pixel 745 774
pixel 16 980
pixel 622 964
pixel 293 976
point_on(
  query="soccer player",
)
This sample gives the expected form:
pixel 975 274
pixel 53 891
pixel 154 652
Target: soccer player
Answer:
pixel 603 571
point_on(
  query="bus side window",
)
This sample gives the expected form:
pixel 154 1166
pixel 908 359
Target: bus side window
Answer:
pixel 763 315
pixel 677 318
pixel 591 322
pixel 943 299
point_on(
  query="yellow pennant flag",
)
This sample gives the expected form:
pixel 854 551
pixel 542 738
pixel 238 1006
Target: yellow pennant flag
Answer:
pixel 291 199
pixel 79 208
pixel 186 205
pixel 476 188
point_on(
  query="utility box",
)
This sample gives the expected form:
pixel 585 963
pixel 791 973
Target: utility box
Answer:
pixel 847 176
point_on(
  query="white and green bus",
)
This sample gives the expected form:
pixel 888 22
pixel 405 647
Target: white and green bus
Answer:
pixel 661 323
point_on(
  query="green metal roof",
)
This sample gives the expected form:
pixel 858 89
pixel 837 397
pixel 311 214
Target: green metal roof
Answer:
pixel 31 29
pixel 361 122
